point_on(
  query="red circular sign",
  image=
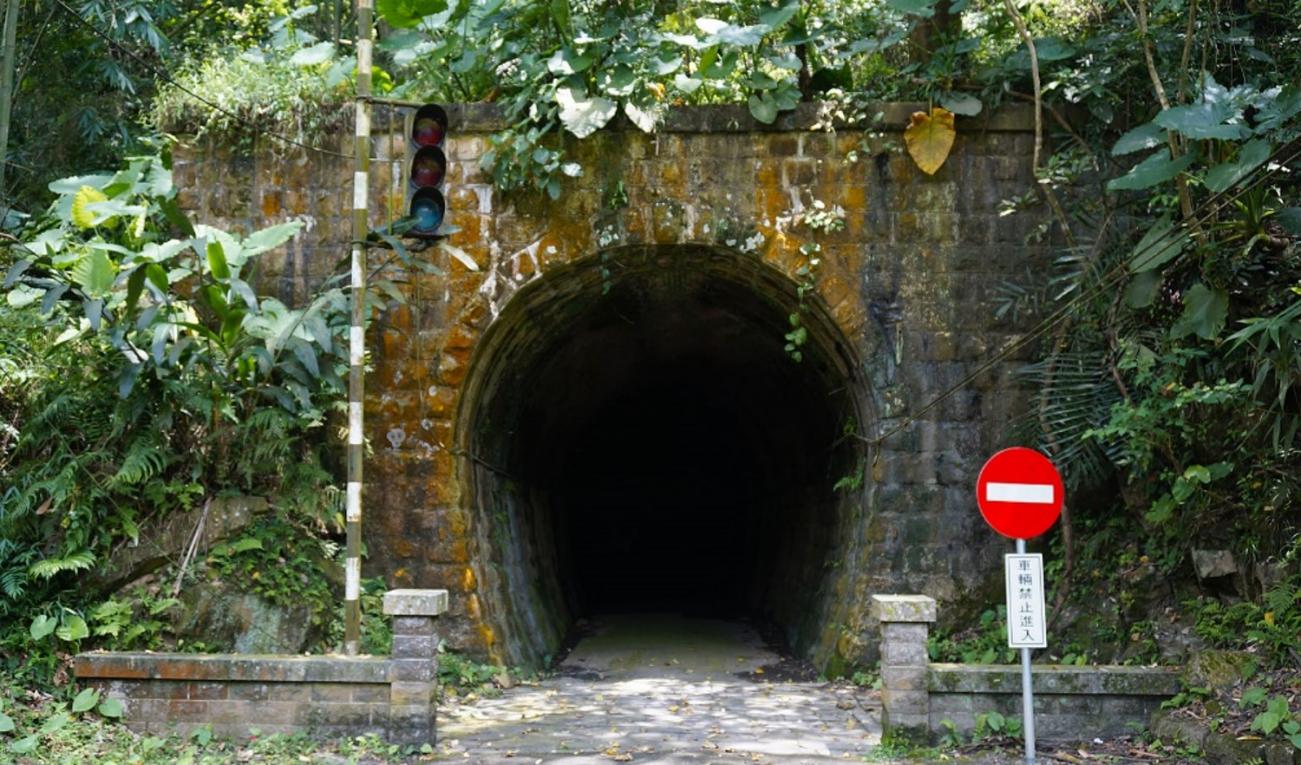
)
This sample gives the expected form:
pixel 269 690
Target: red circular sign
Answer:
pixel 1020 493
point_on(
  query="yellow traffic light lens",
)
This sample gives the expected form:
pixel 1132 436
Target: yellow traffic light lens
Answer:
pixel 428 168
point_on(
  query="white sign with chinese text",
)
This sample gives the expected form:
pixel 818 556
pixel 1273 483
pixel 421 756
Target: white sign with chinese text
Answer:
pixel 1027 625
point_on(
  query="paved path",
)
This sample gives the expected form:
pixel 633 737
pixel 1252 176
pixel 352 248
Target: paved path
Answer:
pixel 665 691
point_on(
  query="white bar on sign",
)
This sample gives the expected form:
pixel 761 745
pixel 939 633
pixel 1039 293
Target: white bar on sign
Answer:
pixel 1035 493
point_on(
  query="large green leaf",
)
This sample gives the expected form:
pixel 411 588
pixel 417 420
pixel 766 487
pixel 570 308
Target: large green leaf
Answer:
pixel 1252 155
pixel 619 81
pixel 74 628
pixel 1146 136
pixel 87 698
pixel 582 115
pixel 763 107
pixel 729 34
pixel 25 745
pixel 313 55
pixel 1205 119
pixel 73 184
pixel 1160 244
pixel 1142 289
pixel 567 61
pixel 94 273
pixel 42 626
pixel 269 238
pixel 923 8
pixel 1275 107
pixel 408 13
pixel 111 708
pixel 961 103
pixel 1204 313
pixel 1157 168
pixel 686 84
pixel 644 118
pixel 1290 219
pixel 217 264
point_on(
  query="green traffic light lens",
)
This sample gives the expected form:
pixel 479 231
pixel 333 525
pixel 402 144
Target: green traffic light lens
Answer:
pixel 427 211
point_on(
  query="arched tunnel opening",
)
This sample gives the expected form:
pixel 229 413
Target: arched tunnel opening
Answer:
pixel 642 439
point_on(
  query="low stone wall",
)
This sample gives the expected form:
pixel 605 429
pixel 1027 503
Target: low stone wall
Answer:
pixel 1069 702
pixel 919 699
pixel 239 694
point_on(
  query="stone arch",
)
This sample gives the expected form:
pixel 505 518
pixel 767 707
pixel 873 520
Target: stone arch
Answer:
pixel 579 493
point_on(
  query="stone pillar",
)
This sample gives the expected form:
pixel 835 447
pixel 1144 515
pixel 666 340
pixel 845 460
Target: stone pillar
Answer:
pixel 905 701
pixel 413 669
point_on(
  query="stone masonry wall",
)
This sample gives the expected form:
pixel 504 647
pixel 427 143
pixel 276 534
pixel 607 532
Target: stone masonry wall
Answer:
pixel 1069 702
pixel 239 695
pixel 924 701
pixel 909 288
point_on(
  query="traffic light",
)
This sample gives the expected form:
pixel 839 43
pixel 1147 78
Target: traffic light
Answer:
pixel 426 171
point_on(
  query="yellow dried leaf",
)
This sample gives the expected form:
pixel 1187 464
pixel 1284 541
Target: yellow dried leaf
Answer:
pixel 929 138
pixel 1269 618
pixel 81 217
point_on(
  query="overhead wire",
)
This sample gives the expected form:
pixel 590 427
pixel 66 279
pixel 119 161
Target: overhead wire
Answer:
pixel 1259 174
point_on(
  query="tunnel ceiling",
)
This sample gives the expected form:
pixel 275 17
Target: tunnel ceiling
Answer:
pixel 639 439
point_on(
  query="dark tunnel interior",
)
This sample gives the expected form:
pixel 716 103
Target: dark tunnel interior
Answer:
pixel 671 455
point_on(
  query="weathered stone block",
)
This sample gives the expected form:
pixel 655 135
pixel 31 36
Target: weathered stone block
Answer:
pixel 904 608
pixel 904 678
pixel 424 669
pixel 905 702
pixel 415 602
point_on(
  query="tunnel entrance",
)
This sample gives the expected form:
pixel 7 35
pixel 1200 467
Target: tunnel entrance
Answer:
pixel 642 440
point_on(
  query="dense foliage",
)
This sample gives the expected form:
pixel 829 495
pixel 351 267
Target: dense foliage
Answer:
pixel 144 376
pixel 137 352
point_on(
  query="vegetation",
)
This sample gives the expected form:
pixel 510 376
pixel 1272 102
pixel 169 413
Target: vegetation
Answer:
pixel 55 732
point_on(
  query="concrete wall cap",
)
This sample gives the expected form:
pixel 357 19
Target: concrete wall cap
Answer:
pixel 415 602
pixel 903 608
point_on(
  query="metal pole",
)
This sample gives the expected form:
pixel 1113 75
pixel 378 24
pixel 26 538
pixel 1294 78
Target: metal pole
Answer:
pixel 7 62
pixel 357 333
pixel 1027 696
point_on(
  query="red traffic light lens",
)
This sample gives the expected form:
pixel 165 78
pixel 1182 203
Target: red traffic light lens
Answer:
pixel 428 168
pixel 429 126
pixel 427 210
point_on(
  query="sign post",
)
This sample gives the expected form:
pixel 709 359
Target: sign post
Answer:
pixel 1020 495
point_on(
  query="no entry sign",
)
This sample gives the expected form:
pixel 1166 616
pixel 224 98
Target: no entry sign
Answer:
pixel 1020 493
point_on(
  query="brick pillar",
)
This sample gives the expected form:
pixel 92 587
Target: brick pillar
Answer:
pixel 413 668
pixel 905 621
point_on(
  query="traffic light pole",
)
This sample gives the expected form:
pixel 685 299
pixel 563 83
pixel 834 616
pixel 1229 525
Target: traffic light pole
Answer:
pixel 357 332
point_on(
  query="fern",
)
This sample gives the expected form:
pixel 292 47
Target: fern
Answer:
pixel 51 567
pixel 144 460
pixel 1282 598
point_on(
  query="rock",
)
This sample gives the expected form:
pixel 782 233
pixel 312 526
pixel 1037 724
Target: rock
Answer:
pixel 1270 573
pixel 1219 748
pixel 223 617
pixel 1211 564
pixel 166 540
pixel 1219 669
pixel 1168 726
